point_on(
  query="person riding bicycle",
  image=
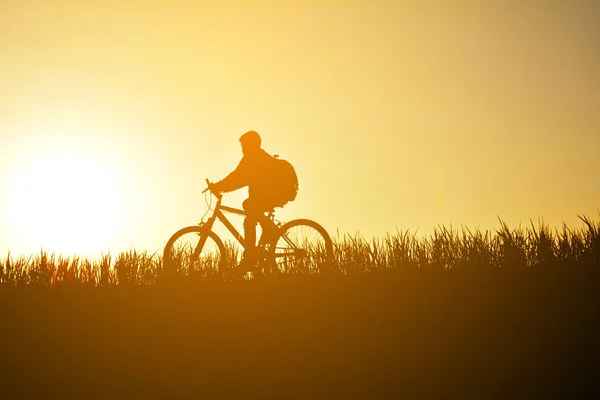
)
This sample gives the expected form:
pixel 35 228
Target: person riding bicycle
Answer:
pixel 255 170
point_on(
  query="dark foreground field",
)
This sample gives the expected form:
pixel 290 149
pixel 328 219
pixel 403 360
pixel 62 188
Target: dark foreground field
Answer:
pixel 526 332
pixel 505 314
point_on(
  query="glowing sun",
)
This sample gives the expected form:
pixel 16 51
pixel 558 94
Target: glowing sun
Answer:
pixel 65 202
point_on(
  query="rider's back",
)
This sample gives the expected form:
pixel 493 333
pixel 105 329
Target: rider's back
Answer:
pixel 258 169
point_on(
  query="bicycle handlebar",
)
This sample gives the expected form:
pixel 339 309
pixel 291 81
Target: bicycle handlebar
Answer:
pixel 209 187
pixel 208 184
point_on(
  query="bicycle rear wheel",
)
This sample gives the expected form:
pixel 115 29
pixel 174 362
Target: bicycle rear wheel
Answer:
pixel 193 250
pixel 303 247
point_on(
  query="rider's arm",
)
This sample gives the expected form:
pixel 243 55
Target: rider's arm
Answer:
pixel 235 180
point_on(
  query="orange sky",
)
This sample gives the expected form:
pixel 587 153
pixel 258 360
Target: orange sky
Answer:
pixel 395 114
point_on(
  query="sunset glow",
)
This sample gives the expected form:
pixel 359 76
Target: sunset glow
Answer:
pixel 395 114
pixel 65 201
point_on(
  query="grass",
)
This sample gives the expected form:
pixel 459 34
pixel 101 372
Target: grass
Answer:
pixel 506 313
pixel 445 249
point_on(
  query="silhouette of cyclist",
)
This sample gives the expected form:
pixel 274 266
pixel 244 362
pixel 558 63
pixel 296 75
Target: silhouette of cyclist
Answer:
pixel 255 170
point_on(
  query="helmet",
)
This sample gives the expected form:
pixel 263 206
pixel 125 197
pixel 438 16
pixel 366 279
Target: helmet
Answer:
pixel 250 139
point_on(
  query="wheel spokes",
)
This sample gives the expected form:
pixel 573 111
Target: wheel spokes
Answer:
pixel 298 250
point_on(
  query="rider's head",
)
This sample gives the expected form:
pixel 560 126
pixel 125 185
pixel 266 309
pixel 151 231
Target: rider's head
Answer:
pixel 250 142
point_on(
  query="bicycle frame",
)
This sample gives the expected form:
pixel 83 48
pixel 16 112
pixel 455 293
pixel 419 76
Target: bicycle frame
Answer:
pixel 218 214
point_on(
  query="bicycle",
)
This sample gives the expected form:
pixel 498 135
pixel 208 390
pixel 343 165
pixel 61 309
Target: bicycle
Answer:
pixel 298 246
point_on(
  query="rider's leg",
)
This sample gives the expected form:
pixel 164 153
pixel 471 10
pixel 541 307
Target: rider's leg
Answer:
pixel 269 229
pixel 253 213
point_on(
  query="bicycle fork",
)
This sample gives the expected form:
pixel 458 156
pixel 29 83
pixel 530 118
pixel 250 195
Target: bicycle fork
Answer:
pixel 206 228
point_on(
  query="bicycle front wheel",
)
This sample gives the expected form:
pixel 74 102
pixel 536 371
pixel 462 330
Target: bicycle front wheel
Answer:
pixel 303 247
pixel 194 249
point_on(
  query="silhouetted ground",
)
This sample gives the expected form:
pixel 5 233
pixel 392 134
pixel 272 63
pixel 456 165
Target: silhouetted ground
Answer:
pixel 421 334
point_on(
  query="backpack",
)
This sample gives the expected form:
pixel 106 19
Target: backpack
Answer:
pixel 286 180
